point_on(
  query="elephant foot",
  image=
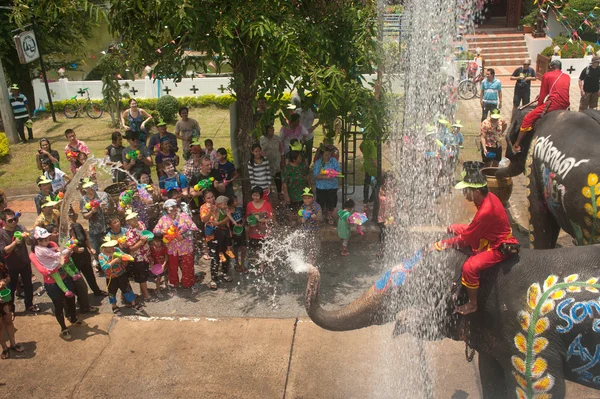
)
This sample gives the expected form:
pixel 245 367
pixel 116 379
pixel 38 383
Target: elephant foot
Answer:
pixel 467 308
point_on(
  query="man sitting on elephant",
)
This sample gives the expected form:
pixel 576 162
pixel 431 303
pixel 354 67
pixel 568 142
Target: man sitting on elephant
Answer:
pixel 489 235
pixel 554 95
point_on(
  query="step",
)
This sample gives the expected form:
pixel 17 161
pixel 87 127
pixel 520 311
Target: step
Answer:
pixel 506 62
pixel 507 49
pixel 515 58
pixel 494 38
pixel 495 45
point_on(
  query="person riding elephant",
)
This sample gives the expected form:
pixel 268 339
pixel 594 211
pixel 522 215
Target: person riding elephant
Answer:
pixel 488 235
pixel 534 328
pixel 562 167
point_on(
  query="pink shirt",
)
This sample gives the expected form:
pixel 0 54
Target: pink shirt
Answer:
pixel 184 245
pixel 142 254
pixel 82 147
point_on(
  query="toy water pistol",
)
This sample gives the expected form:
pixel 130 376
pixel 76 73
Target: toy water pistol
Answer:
pixel 331 173
pixel 60 195
pixel 204 184
pixel 121 240
pixel 171 234
pixel 146 187
pixel 123 256
pixel 92 204
pixel 133 155
pixel 163 191
pixel 20 235
pixel 126 198
pixel 72 155
pixel 303 213
pixel 358 219
pixel 71 243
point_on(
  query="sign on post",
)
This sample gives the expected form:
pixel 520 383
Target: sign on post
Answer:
pixel 27 47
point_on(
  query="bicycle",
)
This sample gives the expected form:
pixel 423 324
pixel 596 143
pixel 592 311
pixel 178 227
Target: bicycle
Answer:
pixel 469 88
pixel 92 110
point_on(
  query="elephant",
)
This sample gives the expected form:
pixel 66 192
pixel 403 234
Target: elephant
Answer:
pixel 561 167
pixel 537 324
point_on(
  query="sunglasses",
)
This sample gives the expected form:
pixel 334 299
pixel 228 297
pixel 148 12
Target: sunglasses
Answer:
pixel 13 220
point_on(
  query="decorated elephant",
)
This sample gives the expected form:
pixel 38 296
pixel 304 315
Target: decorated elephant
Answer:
pixel 537 325
pixel 561 165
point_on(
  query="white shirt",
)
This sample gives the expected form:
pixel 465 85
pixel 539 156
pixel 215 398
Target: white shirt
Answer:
pixel 58 182
pixel 307 119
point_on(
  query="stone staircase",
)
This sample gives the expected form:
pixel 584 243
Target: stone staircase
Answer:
pixel 504 51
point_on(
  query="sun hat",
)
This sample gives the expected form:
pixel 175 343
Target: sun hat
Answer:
pixel 129 214
pixel 87 183
pixel 296 146
pixel 473 179
pixel 495 114
pixel 14 87
pixel 109 243
pixel 161 123
pixel 48 202
pixel 221 199
pixel 307 192
pixel 170 203
pixel 443 121
pixel 457 124
pixel 44 180
pixel 40 232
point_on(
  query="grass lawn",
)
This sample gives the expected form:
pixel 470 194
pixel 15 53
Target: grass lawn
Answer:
pixel 18 170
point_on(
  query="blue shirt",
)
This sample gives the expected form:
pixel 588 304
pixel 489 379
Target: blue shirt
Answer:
pixel 18 104
pixel 490 91
pixel 226 169
pixel 169 183
pixel 326 184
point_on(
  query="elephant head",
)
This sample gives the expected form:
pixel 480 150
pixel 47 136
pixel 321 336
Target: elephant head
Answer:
pixel 517 161
pixel 421 284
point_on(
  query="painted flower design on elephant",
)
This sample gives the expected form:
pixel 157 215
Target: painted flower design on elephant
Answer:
pixel 592 222
pixel 531 371
pixel 396 276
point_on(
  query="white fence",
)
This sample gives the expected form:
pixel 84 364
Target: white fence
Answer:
pixel 141 88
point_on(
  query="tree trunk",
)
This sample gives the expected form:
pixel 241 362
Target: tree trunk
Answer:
pixel 244 76
pixel 20 75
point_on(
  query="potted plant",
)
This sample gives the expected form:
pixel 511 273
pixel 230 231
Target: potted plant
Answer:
pixel 528 22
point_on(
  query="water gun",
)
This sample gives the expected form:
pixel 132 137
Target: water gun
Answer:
pixel 303 213
pixel 72 155
pixel 71 243
pixel 123 256
pixel 171 234
pixel 146 187
pixel 121 240
pixel 126 198
pixel 60 195
pixel 204 184
pixel 133 154
pixel 92 204
pixel 20 235
pixel 358 219
pixel 163 191
pixel 331 173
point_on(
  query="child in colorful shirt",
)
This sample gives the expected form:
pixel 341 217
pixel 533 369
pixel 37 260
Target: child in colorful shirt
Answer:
pixel 140 250
pixel 343 227
pixel 116 276
pixel 160 256
pixel 311 215
pixel 238 238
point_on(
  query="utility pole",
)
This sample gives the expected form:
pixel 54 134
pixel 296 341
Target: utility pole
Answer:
pixel 43 67
pixel 6 110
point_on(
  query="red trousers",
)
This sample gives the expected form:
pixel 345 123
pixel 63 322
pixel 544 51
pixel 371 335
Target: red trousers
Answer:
pixel 537 112
pixel 187 270
pixel 478 262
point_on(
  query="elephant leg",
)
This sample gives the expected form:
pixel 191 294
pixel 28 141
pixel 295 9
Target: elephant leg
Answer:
pixel 492 375
pixel 543 227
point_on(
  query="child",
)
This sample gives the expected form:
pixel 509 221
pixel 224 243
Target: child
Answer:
pixel 386 209
pixel 140 250
pixel 311 216
pixel 227 171
pixel 239 234
pixel 117 233
pixel 222 219
pixel 165 153
pixel 260 223
pixel 160 256
pixel 116 276
pixel 343 227
pixel 210 151
pixel 53 260
pixel 81 159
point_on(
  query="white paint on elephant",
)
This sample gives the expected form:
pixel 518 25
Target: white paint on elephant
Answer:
pixel 553 158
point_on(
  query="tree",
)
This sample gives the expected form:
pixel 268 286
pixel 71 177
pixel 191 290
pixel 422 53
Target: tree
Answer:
pixel 61 28
pixel 267 43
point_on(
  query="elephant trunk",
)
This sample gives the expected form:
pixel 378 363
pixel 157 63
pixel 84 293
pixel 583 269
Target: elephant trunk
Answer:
pixel 365 311
pixel 515 168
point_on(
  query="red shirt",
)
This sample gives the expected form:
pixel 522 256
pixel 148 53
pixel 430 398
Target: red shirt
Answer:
pixel 555 84
pixel 488 229
pixel 259 231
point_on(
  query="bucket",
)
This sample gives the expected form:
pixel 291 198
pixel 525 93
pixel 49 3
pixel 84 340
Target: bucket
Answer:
pixel 5 295
pixel 156 269
pixel 501 187
pixel 491 155
pixel 252 220
pixel 238 230
pixel 209 229
pixel 148 234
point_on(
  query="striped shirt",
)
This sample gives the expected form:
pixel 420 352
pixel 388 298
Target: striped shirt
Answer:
pixel 260 174
pixel 19 106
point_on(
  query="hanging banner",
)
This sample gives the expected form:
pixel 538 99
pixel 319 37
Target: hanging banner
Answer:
pixel 27 47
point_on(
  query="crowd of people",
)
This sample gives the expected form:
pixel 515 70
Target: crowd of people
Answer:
pixel 169 213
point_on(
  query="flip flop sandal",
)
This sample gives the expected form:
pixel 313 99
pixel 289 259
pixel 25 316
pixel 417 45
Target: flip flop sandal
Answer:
pixel 205 257
pixel 18 348
pixel 5 354
pixel 34 309
pixel 213 285
pixel 117 312
pixel 66 335
pixel 228 279
pixel 139 306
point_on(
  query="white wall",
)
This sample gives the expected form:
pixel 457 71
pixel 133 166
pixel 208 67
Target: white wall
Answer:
pixel 535 45
pixel 144 88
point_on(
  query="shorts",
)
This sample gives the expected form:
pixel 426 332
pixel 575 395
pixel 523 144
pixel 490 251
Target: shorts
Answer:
pixel 223 239
pixel 239 240
pixel 327 198
pixel 139 270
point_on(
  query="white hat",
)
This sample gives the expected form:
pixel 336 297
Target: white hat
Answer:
pixel 129 214
pixel 170 203
pixel 109 243
pixel 87 183
pixel 40 232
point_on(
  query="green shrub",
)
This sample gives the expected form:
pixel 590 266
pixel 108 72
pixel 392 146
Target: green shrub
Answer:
pixel 4 145
pixel 573 50
pixel 168 106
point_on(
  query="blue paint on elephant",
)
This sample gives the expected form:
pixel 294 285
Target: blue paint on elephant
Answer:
pixel 382 282
pixel 397 276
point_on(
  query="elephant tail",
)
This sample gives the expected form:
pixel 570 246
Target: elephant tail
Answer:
pixel 369 309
